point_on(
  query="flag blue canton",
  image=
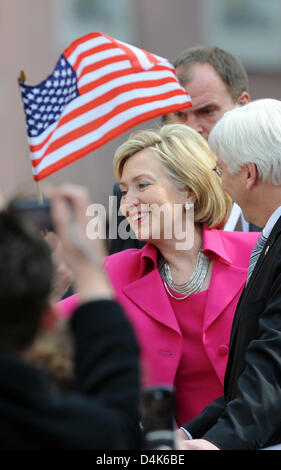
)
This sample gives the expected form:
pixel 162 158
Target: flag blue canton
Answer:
pixel 45 103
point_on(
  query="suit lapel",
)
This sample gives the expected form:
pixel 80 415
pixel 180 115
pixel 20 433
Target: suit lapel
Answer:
pixel 149 294
pixel 268 245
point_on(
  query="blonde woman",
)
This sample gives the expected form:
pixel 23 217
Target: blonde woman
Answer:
pixel 181 301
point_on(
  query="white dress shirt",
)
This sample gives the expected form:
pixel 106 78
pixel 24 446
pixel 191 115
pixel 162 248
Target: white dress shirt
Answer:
pixel 236 212
pixel 271 222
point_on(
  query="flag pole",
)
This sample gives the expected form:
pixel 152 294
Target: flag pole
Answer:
pixel 37 183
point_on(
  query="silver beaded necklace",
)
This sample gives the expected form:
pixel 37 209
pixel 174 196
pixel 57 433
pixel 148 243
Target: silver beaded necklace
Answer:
pixel 194 283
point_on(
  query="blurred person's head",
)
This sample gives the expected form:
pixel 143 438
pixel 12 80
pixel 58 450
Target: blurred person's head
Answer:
pixel 53 352
pixel 247 142
pixel 172 165
pixel 26 274
pixel 216 81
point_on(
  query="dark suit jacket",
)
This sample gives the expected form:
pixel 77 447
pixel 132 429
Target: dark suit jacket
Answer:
pixel 104 414
pixel 118 244
pixel 248 416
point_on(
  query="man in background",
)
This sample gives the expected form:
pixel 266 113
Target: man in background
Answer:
pixel 217 82
pixel 247 416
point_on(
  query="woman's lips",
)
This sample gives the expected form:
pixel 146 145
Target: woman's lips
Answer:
pixel 139 217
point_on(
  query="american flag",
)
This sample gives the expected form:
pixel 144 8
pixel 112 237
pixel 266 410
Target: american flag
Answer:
pixel 100 88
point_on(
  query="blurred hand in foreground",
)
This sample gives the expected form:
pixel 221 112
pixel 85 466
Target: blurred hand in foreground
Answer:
pixel 83 256
pixel 63 276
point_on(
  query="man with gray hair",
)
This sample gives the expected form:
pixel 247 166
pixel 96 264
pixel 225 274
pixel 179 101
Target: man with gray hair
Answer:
pixel 247 141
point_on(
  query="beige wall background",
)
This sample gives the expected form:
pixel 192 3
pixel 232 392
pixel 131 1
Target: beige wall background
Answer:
pixel 30 39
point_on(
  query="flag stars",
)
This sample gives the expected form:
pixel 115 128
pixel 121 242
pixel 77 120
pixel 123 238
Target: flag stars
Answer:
pixel 45 103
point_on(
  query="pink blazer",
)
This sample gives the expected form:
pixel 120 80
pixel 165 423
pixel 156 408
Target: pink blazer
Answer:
pixel 139 288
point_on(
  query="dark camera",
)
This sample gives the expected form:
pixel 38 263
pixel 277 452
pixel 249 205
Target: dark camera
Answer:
pixel 158 417
pixel 37 213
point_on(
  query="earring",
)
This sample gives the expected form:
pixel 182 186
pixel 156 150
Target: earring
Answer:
pixel 187 205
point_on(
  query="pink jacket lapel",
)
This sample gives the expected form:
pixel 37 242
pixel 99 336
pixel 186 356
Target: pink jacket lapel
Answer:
pixel 227 279
pixel 149 294
pixel 221 294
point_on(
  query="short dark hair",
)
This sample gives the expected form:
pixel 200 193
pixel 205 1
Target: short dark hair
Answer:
pixel 26 272
pixel 228 67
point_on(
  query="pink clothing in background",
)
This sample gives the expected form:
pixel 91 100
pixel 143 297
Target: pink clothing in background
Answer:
pixel 184 343
pixel 196 382
pixel 66 307
pixel 139 288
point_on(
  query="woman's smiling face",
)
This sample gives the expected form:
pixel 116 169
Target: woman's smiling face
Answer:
pixel 145 188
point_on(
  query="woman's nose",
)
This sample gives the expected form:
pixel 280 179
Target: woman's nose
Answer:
pixel 128 202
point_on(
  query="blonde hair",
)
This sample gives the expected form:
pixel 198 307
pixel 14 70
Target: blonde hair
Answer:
pixel 187 159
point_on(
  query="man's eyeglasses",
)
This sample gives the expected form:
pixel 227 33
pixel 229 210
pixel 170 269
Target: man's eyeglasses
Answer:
pixel 218 170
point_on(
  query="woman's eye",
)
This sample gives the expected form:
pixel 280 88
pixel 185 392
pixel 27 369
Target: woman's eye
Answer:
pixel 123 192
pixel 143 185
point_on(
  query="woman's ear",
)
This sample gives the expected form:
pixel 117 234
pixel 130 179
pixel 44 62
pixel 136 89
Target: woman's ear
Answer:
pixel 190 196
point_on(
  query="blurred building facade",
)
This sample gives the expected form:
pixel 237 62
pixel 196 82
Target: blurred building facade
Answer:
pixel 34 33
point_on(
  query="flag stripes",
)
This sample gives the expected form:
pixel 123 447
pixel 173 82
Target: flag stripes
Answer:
pixel 117 86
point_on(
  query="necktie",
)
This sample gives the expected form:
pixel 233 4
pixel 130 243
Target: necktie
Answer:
pixel 255 254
